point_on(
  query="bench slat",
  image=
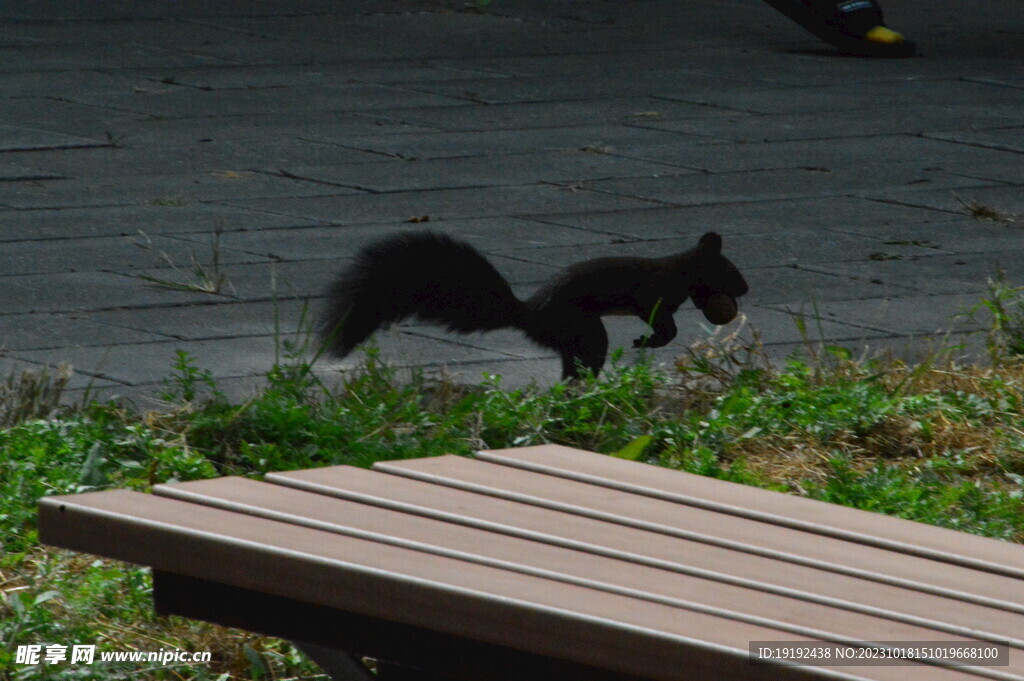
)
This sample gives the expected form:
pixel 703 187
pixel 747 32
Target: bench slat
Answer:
pixel 747 535
pixel 788 510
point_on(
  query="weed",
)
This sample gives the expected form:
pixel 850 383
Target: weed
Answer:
pixel 199 279
pixel 1005 303
pixel 167 202
pixel 981 211
pixel 186 380
pixel 32 394
pixel 113 140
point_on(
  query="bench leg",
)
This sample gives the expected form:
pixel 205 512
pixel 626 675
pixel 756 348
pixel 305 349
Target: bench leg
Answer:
pixel 338 665
pixel 390 671
pixel 341 666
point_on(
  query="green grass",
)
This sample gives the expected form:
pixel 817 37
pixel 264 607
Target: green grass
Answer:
pixel 936 442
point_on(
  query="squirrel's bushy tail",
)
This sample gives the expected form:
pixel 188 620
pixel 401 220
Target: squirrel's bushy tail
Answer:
pixel 423 274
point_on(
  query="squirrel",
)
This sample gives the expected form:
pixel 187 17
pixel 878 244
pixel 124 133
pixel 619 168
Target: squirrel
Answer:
pixel 436 278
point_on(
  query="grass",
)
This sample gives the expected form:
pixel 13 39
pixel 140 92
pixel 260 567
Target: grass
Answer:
pixel 199 278
pixel 982 211
pixel 936 442
pixel 1005 306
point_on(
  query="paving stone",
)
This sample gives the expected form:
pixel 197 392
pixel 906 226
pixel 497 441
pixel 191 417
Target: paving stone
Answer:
pixel 914 154
pixel 958 235
pixel 1007 171
pixel 569 167
pixel 842 97
pixel 489 235
pixel 447 204
pixel 140 190
pixel 53 116
pixel 265 128
pixel 804 324
pixel 1004 138
pixel 325 242
pixel 25 139
pixel 398 348
pixel 136 31
pixel 170 101
pixel 57 57
pixel 587 84
pixel 401 36
pixel 290 319
pixel 86 223
pixel 123 10
pixel 639 111
pixel 764 63
pixel 792 247
pixel 511 342
pixel 113 253
pixel 636 64
pixel 835 125
pixel 585 16
pixel 841 213
pixel 80 291
pixel 319 75
pixel 1005 79
pixel 1006 201
pixel 913 315
pixel 20 85
pixel 240 282
pixel 13 172
pixel 875 181
pixel 936 274
pixel 216 154
pixel 445 145
pixel 799 285
pixel 50 331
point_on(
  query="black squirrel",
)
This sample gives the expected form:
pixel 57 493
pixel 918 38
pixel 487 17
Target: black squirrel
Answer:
pixel 439 279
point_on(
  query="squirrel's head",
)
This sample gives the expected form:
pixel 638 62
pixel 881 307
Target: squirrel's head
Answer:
pixel 716 281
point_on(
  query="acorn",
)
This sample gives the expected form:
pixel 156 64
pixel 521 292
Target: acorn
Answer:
pixel 720 309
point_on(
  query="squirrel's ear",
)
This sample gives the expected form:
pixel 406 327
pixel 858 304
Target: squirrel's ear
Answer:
pixel 711 243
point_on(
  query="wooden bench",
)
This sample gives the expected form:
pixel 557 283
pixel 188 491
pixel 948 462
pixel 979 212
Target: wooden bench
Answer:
pixel 549 562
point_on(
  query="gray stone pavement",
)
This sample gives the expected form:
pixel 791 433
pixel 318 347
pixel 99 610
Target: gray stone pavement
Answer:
pixel 262 143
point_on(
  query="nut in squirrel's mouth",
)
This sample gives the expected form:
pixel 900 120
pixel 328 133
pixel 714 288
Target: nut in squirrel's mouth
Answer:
pixel 720 308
